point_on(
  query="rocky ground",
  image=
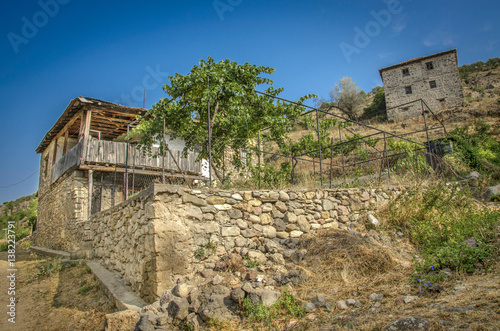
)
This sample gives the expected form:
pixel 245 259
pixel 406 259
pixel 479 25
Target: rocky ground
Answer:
pixel 345 280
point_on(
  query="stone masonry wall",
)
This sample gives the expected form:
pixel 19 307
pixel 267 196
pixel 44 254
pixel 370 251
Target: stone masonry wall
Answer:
pixel 168 232
pixel 61 214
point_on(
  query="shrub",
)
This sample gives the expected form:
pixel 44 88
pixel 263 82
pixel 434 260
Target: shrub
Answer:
pixel 439 219
pixel 476 148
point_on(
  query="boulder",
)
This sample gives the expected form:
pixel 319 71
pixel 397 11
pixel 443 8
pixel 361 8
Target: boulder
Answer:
pixel 492 192
pixel 178 308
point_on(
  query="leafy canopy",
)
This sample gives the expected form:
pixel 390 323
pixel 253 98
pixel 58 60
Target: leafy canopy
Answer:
pixel 348 96
pixel 237 111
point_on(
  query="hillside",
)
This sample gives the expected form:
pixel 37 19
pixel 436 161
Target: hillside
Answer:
pixel 21 212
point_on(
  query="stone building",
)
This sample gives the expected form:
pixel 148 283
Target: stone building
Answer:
pixel 433 79
pixel 87 165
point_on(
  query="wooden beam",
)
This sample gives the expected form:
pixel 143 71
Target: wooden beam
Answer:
pixel 137 171
pixel 69 124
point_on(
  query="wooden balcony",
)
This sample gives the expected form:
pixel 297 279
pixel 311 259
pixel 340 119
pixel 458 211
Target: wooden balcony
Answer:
pixel 110 154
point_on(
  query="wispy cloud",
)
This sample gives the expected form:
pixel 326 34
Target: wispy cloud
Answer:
pixel 385 55
pixel 439 37
pixel 399 25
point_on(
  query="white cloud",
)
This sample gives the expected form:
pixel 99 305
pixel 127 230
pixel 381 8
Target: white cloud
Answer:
pixel 439 37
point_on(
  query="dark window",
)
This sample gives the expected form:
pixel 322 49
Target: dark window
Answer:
pixel 46 166
pixel 432 84
pixel 406 72
pixel 429 65
pixel 408 90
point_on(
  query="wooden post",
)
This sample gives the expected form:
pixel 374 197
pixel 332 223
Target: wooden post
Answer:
pixel 84 132
pixel 91 183
pixel 55 152
pixel 66 137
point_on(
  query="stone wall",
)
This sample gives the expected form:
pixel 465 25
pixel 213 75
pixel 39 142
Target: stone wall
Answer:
pixel 168 232
pixel 62 211
pixel 446 93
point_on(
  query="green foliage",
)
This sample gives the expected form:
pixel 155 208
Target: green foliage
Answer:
pixel 286 307
pixel 378 106
pixel 4 247
pixel 251 263
pixel 86 270
pixel 48 268
pixel 272 176
pixel 26 244
pixel 439 218
pixel 466 69
pixel 478 89
pixel 238 112
pixel 475 147
pixel 87 288
pixel 18 214
pixel 215 324
pixel 409 163
pixel 186 326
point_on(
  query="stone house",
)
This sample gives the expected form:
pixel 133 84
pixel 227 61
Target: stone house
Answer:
pixel 86 166
pixel 433 79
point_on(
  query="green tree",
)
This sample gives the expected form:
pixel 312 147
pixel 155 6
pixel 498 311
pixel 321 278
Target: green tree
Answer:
pixel 378 104
pixel 349 97
pixel 237 111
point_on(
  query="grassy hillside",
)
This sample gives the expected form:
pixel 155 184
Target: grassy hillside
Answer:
pixel 22 212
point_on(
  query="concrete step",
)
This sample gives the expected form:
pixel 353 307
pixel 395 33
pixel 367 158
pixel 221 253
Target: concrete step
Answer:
pixel 123 295
pixel 49 252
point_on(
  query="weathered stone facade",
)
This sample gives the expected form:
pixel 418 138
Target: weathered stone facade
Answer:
pixel 167 232
pixel 434 79
pixel 65 205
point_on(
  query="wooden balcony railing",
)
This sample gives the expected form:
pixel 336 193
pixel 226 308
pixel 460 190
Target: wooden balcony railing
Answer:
pixel 110 153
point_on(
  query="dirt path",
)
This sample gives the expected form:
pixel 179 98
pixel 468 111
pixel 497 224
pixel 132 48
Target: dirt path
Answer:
pixel 65 299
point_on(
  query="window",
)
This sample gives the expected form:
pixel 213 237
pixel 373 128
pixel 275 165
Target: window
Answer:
pixel 429 65
pixel 46 166
pixel 406 72
pixel 408 90
pixel 432 84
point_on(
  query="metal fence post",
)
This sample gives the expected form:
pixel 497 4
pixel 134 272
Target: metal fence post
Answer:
pixel 387 158
pixel 319 143
pixel 163 154
pixel 342 152
pixel 331 161
pixel 209 137
pixel 428 147
pixel 259 158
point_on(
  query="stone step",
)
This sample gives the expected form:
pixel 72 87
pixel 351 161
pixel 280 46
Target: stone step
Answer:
pixel 49 252
pixel 123 295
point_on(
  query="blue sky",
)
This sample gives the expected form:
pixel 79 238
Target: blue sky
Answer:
pixel 52 51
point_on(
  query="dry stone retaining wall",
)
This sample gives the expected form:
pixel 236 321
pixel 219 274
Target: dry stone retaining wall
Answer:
pixel 168 232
